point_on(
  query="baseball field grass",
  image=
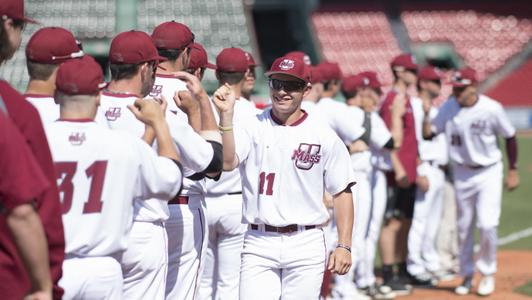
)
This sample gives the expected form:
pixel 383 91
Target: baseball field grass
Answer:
pixel 516 212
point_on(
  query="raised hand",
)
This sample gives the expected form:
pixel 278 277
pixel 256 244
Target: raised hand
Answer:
pixel 192 82
pixel 224 98
pixel 148 111
pixel 185 101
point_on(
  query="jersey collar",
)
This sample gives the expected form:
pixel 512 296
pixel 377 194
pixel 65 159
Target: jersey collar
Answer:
pixel 81 120
pixel 297 122
pixel 120 94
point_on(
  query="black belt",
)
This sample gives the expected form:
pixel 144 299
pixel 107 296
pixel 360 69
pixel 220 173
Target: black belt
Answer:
pixel 235 193
pixel 285 229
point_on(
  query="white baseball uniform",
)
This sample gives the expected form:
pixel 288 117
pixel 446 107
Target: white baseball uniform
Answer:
pixel 146 261
pixel 423 257
pixel 285 171
pixel 376 136
pixel 49 110
pixel 100 173
pixel 187 229
pixel 221 274
pixel 45 105
pixel 334 113
pixel 478 172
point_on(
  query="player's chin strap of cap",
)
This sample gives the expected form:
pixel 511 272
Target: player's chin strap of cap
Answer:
pixel 78 54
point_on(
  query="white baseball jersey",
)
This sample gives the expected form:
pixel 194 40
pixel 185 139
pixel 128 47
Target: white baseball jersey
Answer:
pixel 195 159
pixel 100 172
pixel 378 137
pixel 434 150
pixel 230 182
pixel 472 131
pixel 167 85
pixel 286 169
pixel 45 105
pixel 334 113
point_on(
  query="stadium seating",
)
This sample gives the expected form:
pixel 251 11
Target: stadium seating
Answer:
pixel 515 89
pixel 87 20
pixel 358 41
pixel 485 41
pixel 215 23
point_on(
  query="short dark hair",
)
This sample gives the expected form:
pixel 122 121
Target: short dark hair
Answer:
pixel 326 84
pixel 170 54
pixel 230 77
pixel 39 71
pixel 349 95
pixel 123 71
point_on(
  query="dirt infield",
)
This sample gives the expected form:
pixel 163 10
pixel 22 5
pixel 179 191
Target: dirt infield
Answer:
pixel 515 269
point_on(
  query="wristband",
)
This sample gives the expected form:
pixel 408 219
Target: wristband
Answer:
pixel 225 129
pixel 344 247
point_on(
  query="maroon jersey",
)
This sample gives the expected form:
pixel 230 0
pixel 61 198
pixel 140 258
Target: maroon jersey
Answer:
pixel 27 120
pixel 408 152
pixel 21 181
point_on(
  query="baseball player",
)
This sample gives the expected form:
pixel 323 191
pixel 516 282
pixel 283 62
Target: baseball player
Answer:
pixel 287 161
pixel 26 119
pixel 471 123
pixel 186 227
pixel 362 93
pixel 21 233
pixel 401 191
pixel 198 61
pixel 101 173
pixel 249 84
pixel 224 197
pixel 423 259
pixel 48 48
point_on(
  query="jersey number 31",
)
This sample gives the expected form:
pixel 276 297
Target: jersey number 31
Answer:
pixel 95 173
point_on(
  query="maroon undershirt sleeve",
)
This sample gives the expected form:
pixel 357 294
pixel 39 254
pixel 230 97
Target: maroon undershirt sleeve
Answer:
pixel 511 151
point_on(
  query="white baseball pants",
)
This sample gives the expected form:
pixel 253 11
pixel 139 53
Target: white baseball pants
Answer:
pixel 478 193
pixel 144 263
pixel 221 274
pixel 187 243
pixel 92 278
pixel 422 254
pixel 282 266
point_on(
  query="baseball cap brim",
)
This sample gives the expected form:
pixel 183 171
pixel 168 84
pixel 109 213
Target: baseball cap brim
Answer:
pixel 269 74
pixel 29 20
pixel 210 66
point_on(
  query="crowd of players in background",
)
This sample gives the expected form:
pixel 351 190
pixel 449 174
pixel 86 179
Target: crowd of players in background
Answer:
pixel 174 228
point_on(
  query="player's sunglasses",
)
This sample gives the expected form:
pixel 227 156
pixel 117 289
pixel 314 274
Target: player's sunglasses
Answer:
pixel 287 86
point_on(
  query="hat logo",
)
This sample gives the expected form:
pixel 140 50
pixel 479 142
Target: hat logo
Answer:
pixel 287 64
pixel 366 81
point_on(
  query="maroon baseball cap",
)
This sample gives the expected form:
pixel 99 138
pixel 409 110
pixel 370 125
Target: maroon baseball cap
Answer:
pixel 172 35
pixel 373 78
pixel 316 74
pixel 429 73
pixel 352 83
pixel 133 47
pixel 300 55
pixel 404 62
pixel 82 76
pixel 331 71
pixel 291 66
pixel 52 45
pixel 232 60
pixel 14 9
pixel 251 60
pixel 464 77
pixel 198 57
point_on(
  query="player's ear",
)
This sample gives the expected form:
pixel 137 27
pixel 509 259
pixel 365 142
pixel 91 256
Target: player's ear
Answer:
pixel 307 89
